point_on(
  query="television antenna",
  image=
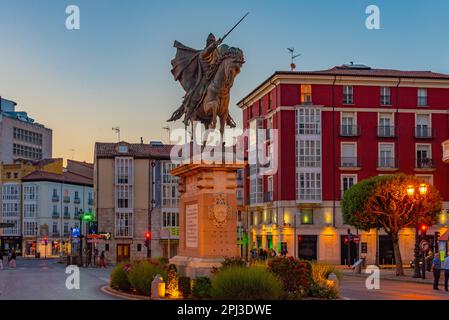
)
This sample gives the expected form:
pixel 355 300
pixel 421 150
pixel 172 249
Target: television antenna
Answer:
pixel 167 128
pixel 117 131
pixel 293 57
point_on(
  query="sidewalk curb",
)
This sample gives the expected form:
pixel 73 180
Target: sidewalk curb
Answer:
pixel 123 295
pixel 399 279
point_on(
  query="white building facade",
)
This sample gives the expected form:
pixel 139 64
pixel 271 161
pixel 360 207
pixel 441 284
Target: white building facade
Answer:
pixel 51 209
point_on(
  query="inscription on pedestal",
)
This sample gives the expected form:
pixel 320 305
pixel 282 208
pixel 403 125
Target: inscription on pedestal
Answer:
pixel 192 226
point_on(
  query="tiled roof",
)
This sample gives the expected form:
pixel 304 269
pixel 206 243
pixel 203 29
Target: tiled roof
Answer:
pixel 137 150
pixel 368 72
pixel 42 162
pixel 83 163
pixel 66 177
pixel 347 70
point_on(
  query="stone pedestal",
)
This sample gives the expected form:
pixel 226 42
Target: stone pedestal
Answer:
pixel 207 217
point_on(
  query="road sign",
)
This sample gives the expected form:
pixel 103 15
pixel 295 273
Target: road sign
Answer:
pixel 424 245
pixel 356 239
pixel 105 235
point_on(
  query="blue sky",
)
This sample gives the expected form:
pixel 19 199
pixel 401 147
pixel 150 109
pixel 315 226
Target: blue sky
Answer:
pixel 115 70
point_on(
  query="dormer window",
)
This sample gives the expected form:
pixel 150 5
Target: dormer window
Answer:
pixel 123 149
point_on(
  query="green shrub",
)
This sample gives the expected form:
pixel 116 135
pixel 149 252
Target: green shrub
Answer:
pixel 202 287
pixel 119 278
pixel 233 262
pixel 184 286
pixel 294 274
pixel 241 283
pixel 142 273
pixel 321 286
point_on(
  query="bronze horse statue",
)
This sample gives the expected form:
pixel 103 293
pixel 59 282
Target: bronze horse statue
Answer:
pixel 207 76
pixel 216 100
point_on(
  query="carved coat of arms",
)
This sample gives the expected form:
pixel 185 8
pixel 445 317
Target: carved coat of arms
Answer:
pixel 220 211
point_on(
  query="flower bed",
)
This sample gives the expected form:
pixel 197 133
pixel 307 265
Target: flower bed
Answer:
pixel 279 278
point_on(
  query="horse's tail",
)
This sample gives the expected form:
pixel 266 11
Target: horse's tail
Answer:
pixel 177 114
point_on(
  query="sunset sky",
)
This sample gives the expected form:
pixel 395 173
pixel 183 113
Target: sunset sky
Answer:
pixel 115 70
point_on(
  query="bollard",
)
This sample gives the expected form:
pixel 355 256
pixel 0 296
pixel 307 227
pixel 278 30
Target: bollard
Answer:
pixel 332 278
pixel 157 287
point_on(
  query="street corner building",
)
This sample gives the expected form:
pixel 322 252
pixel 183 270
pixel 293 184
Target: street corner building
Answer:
pixel 43 200
pixel 337 127
pixel 136 195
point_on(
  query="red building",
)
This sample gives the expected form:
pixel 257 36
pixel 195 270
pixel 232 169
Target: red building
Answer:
pixel 337 127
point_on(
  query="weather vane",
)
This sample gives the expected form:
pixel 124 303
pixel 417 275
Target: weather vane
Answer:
pixel 293 57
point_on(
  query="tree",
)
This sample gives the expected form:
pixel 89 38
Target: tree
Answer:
pixel 383 202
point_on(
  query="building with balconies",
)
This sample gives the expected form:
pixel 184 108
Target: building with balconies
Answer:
pixel 49 206
pixel 336 127
pixel 135 193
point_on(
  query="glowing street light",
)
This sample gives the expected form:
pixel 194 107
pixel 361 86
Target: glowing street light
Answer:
pixel 410 190
pixel 423 189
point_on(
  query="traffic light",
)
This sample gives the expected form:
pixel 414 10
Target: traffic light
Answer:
pixel 423 228
pixel 147 238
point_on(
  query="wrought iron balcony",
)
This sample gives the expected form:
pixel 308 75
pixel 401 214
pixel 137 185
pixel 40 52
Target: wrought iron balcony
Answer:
pixel 268 196
pixel 387 163
pixel 349 131
pixel 424 163
pixel 349 163
pixel 55 215
pixel 55 198
pixel 66 199
pixel 66 215
pixel 424 132
pixel 90 202
pixel 386 132
pixel 76 200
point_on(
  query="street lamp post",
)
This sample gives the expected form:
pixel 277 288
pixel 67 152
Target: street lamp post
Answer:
pixel 417 254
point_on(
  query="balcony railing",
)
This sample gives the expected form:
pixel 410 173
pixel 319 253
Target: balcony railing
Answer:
pixel 76 200
pixel 350 162
pixel 349 131
pixel 55 198
pixel 55 215
pixel 386 132
pixel 55 233
pixel 67 216
pixel 422 101
pixel 424 163
pixel 90 202
pixel 66 199
pixel 268 196
pixel 387 163
pixel 424 132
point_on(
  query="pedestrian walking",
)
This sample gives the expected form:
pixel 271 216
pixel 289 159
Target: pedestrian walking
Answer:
pixel 95 258
pixel 446 273
pixel 9 258
pixel 102 264
pixel 436 266
pixel 1 260
pixel 12 263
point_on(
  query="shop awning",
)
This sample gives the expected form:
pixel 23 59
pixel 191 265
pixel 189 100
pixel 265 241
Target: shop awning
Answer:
pixel 444 237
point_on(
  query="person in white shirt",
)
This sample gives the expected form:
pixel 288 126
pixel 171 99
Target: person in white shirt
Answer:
pixel 446 272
